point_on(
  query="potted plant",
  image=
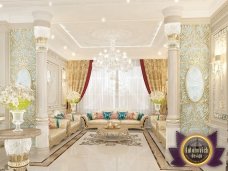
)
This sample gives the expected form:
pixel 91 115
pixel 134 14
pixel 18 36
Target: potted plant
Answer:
pixel 157 97
pixel 73 98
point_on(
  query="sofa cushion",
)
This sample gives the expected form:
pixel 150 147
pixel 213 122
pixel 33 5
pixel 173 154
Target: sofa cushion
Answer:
pixel 122 115
pixel 89 115
pixel 107 115
pixel 100 115
pixel 129 122
pixel 130 115
pixel 94 115
pixel 114 115
pixel 140 115
pixel 135 115
pixel 98 122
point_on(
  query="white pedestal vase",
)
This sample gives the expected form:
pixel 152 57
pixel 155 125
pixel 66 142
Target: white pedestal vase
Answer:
pixel 73 107
pixel 18 119
pixel 157 108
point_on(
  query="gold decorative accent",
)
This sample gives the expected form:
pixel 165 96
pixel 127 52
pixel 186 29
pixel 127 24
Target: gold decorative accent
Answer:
pixel 18 160
pixel 23 55
pixel 194 50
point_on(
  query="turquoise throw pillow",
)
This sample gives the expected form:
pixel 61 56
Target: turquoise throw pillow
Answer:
pixel 140 116
pixel 59 116
pixel 122 115
pixel 107 115
pixel 89 115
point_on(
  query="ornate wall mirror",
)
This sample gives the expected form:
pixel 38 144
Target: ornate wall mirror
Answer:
pixel 24 78
pixel 194 84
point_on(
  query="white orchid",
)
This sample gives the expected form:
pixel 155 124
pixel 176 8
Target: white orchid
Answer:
pixel 16 97
pixel 157 97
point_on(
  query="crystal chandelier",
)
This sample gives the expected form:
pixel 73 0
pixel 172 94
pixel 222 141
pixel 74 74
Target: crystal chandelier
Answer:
pixel 112 59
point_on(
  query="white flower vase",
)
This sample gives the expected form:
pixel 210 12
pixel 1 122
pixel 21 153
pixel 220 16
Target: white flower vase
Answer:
pixel 18 119
pixel 157 108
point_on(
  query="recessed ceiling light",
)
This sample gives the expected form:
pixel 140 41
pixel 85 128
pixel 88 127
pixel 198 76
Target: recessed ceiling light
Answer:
pixel 1 5
pixel 52 36
pixel 128 1
pixel 103 19
pixel 50 3
pixel 65 47
pixel 73 54
pixel 159 53
pixel 165 45
pixel 176 1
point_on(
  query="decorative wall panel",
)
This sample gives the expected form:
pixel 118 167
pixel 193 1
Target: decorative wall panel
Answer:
pixel 219 76
pixel 56 85
pixel 194 51
pixel 23 56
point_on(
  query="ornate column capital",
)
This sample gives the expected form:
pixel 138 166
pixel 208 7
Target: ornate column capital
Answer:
pixel 172 25
pixel 42 22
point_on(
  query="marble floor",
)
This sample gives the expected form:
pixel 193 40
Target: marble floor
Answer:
pixel 104 158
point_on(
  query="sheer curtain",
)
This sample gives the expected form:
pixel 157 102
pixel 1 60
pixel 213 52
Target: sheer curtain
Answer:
pixel 117 90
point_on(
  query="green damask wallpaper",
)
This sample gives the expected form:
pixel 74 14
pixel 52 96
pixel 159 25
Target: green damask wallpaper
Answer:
pixel 23 55
pixel 194 51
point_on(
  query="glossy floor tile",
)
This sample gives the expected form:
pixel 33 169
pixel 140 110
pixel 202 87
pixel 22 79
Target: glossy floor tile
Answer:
pixel 104 158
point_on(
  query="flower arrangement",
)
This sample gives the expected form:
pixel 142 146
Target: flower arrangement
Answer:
pixel 16 97
pixel 73 97
pixel 157 97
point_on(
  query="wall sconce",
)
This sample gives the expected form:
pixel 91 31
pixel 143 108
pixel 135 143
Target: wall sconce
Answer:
pixel 48 76
pixel 63 75
pixel 218 64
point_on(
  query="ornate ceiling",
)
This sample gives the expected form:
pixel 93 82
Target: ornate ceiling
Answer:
pixel 86 26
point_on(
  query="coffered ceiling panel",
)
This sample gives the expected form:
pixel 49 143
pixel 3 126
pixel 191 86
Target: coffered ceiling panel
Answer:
pixel 126 33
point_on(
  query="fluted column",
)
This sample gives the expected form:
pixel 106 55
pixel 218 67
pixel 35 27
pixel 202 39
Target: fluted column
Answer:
pixel 172 30
pixel 42 32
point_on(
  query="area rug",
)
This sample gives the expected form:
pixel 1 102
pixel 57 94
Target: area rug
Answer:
pixel 136 141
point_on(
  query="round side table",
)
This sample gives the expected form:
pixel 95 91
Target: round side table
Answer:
pixel 17 146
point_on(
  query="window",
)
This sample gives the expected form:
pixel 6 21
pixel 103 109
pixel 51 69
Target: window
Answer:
pixel 117 90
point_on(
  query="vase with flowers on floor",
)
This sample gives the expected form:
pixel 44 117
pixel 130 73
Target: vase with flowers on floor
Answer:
pixel 73 98
pixel 157 98
pixel 17 98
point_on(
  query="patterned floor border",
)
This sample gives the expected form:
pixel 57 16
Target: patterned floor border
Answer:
pixel 46 162
pixel 160 158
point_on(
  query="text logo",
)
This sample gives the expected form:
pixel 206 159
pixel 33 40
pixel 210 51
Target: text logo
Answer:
pixel 196 150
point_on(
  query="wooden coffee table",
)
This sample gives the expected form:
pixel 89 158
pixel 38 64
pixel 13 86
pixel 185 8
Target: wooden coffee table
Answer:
pixel 113 134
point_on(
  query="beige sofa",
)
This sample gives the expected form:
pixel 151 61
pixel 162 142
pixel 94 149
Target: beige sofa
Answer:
pixel 56 135
pixel 74 124
pixel 159 129
pixel 67 127
pixel 131 124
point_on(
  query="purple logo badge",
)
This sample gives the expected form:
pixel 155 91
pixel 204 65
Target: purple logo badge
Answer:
pixel 196 150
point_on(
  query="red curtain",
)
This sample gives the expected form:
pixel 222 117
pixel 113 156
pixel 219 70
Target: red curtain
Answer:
pixel 144 76
pixel 87 78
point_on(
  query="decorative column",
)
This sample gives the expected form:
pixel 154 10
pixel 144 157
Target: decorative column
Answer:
pixel 42 33
pixel 172 27
pixel 4 74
